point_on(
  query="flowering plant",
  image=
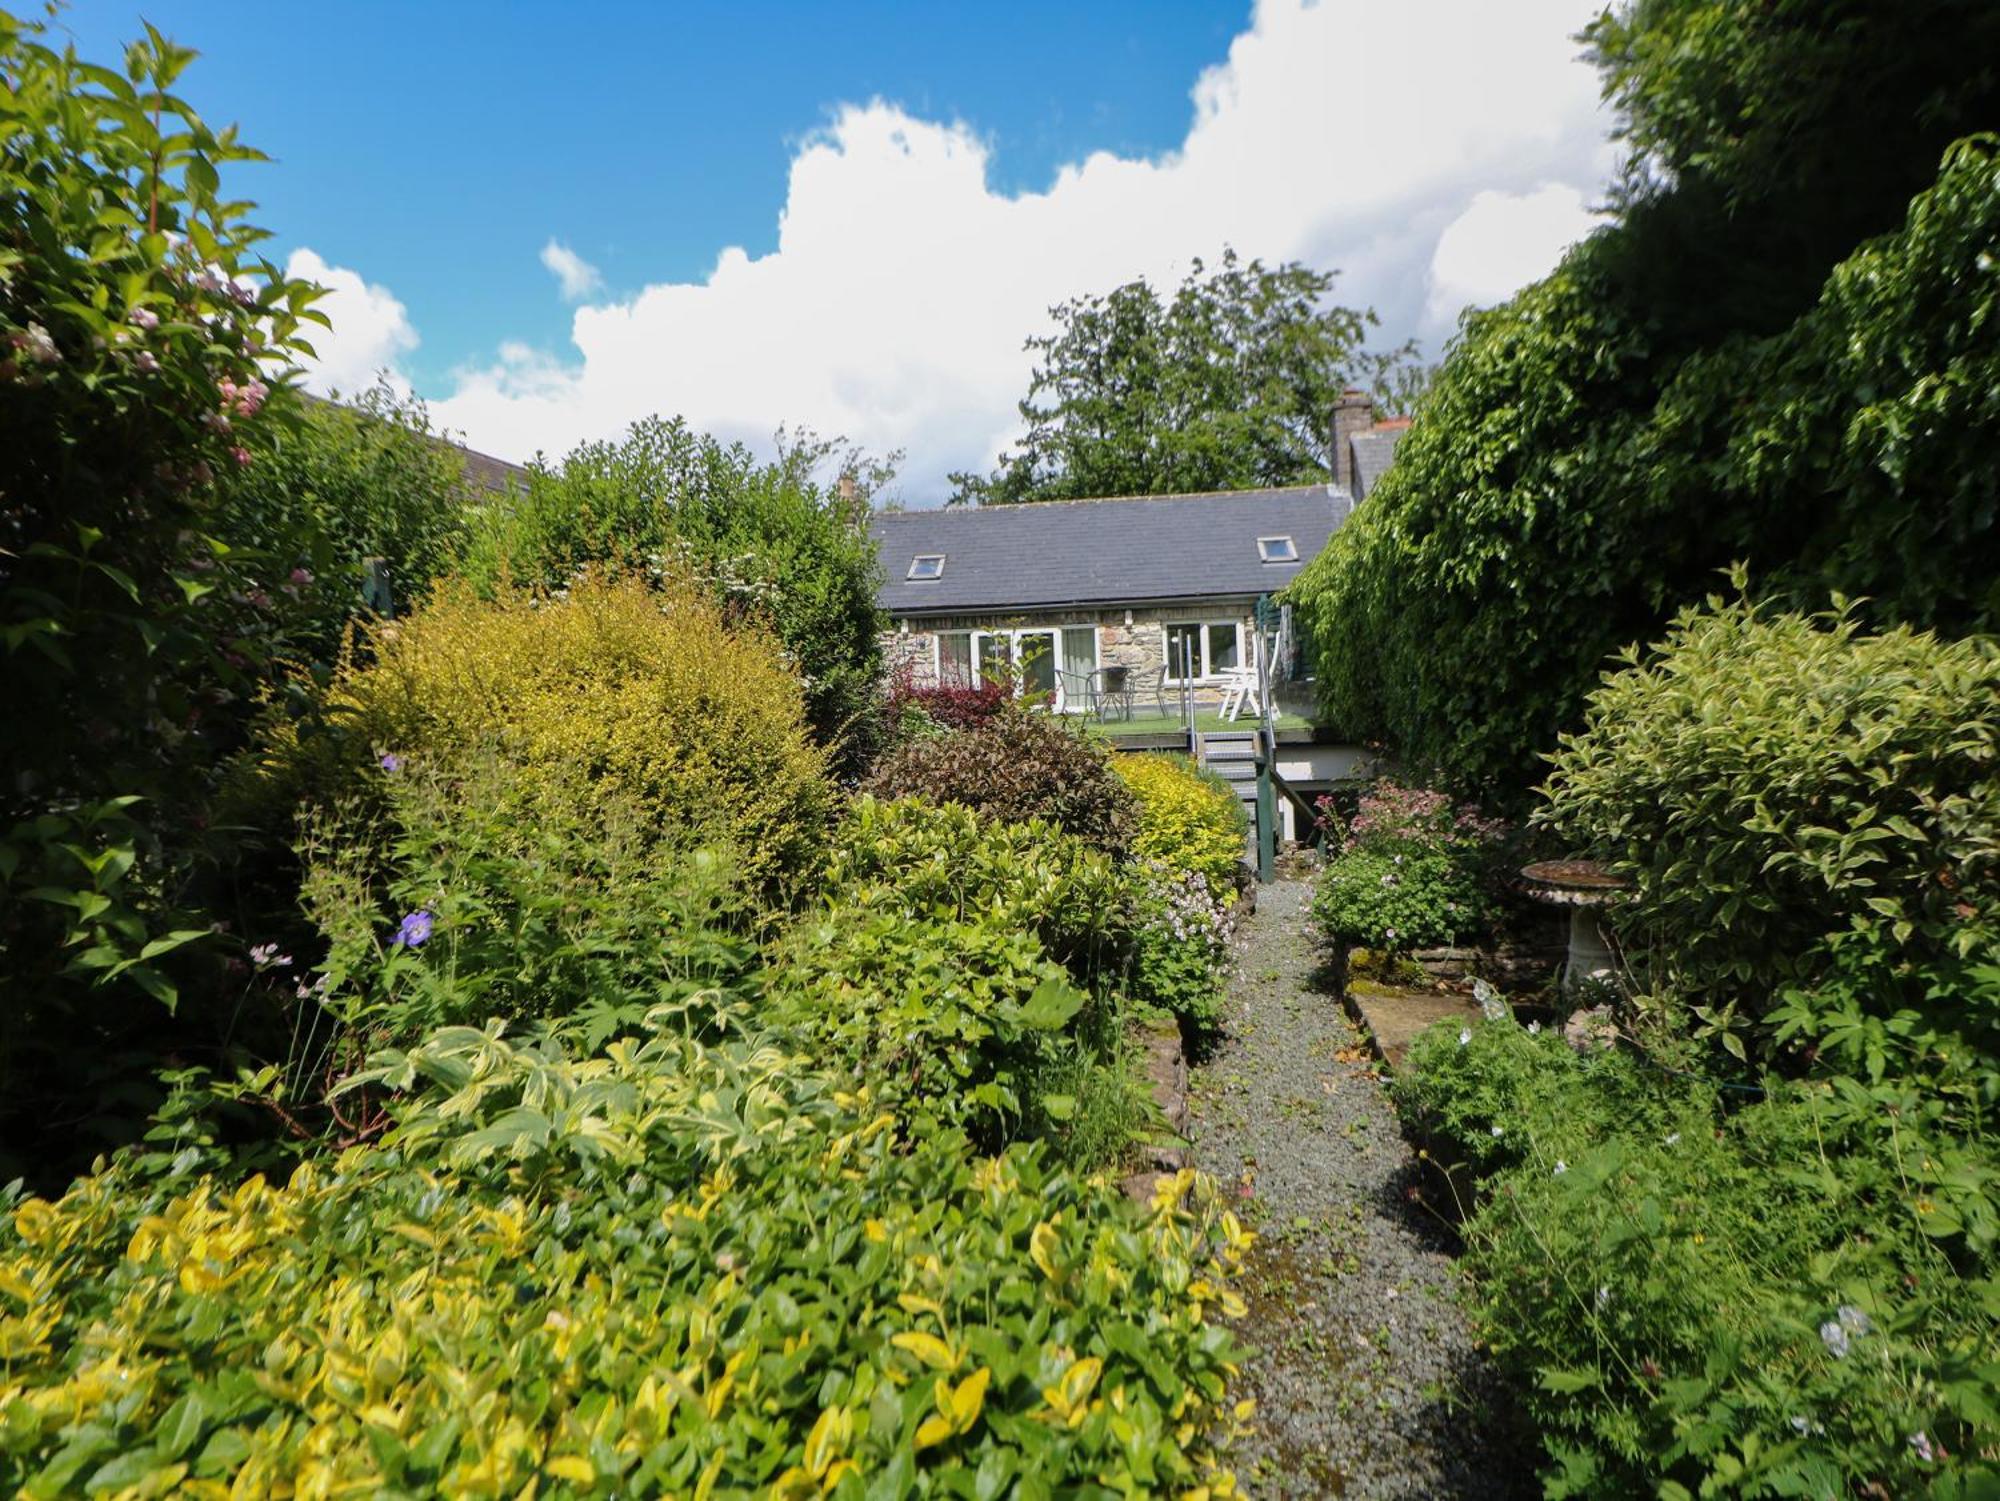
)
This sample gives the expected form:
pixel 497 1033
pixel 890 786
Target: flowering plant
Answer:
pixel 1182 947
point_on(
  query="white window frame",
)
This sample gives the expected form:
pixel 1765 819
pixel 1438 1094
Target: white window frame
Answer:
pixel 1014 635
pixel 1290 555
pixel 1205 626
pixel 914 576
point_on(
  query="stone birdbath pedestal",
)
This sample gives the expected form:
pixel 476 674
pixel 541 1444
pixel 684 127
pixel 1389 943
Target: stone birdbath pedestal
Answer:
pixel 1582 886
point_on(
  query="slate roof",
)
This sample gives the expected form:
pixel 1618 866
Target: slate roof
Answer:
pixel 1372 452
pixel 1102 552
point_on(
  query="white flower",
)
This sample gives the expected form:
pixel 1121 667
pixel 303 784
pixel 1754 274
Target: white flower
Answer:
pixel 1464 1036
pixel 1835 1338
pixel 1853 1320
pixel 1673 1138
pixel 1561 1167
pixel 1497 1132
pixel 1534 1029
pixel 1921 1442
pixel 1603 1297
pixel 1800 1423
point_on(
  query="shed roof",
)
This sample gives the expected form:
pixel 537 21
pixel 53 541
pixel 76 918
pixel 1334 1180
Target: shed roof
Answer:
pixel 1118 551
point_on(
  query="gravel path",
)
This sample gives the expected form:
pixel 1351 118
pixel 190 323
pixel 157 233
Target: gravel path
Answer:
pixel 1366 1380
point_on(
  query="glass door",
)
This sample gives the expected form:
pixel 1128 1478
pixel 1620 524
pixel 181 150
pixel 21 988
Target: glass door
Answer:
pixel 1036 652
pixel 1079 662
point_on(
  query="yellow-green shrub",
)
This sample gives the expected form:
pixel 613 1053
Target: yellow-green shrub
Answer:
pixel 668 1268
pixel 1187 822
pixel 611 687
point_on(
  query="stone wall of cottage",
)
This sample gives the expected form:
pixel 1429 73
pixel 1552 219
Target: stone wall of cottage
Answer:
pixel 1134 639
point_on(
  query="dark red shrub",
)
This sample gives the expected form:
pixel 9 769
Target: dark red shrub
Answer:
pixel 1015 765
pixel 956 706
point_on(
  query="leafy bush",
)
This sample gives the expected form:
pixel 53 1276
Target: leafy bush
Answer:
pixel 964 966
pixel 1800 804
pixel 1188 821
pixel 764 542
pixel 531 909
pixel 954 706
pixel 344 485
pixel 948 1020
pixel 1407 872
pixel 1181 947
pixel 1016 766
pixel 611 689
pixel 1793 1299
pixel 1578 472
pixel 910 856
pixel 666 1267
pixel 143 349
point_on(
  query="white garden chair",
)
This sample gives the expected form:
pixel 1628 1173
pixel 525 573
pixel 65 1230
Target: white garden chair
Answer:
pixel 1239 692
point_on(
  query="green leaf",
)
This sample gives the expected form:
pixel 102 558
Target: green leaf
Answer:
pixel 1054 1002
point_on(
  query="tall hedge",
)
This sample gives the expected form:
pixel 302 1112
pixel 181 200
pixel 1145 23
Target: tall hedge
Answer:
pixel 1573 479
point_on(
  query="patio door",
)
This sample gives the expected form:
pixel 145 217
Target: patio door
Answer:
pixel 1035 651
pixel 1079 661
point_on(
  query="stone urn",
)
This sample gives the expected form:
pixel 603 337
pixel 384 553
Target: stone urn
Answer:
pixel 1584 887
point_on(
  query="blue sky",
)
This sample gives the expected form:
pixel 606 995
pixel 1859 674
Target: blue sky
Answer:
pixel 407 135
pixel 549 221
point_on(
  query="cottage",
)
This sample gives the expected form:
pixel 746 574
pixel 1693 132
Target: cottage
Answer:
pixel 1151 593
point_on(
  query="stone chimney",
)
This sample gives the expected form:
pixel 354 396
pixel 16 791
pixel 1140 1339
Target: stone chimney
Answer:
pixel 1353 413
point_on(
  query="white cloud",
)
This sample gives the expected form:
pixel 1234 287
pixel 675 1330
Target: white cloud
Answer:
pixel 371 329
pixel 575 275
pixel 1436 151
pixel 1502 242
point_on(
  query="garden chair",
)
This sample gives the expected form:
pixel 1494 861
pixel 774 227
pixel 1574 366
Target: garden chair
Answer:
pixel 1075 693
pixel 1111 693
pixel 1239 692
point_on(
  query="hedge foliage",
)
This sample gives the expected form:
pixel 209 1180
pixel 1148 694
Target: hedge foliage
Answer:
pixel 666 1267
pixel 1577 474
pixel 1014 766
pixel 611 688
pixel 1188 821
pixel 1798 804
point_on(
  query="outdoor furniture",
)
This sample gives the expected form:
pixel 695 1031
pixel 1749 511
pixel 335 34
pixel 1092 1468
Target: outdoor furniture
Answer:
pixel 1160 704
pixel 1111 693
pixel 1075 693
pixel 1239 692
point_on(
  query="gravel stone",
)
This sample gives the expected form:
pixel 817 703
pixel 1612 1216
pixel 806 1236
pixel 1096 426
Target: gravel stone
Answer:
pixel 1366 1380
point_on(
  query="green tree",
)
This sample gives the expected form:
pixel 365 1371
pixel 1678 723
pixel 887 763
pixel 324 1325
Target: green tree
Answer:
pixel 1228 384
pixel 768 541
pixel 143 345
pixel 1727 372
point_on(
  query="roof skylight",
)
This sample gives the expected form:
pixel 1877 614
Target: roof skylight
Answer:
pixel 927 565
pixel 1277 550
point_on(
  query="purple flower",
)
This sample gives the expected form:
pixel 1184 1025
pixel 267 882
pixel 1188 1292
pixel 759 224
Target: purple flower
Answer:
pixel 145 317
pixel 1926 1450
pixel 146 362
pixel 391 762
pixel 415 931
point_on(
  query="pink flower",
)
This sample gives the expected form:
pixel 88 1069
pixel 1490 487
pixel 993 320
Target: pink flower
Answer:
pixel 241 455
pixel 216 422
pixel 146 363
pixel 301 577
pixel 145 317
